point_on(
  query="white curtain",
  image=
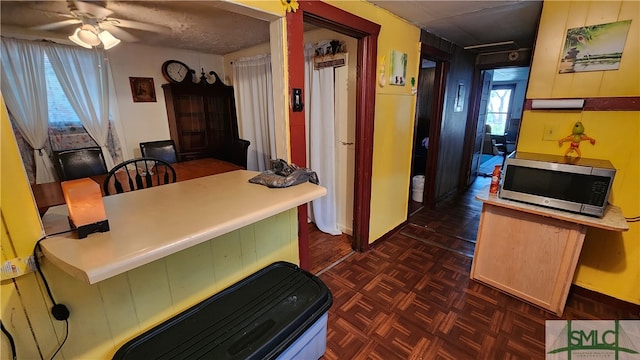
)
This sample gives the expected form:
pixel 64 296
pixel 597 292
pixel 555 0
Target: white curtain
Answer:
pixel 253 92
pixel 25 92
pixel 321 152
pixel 83 75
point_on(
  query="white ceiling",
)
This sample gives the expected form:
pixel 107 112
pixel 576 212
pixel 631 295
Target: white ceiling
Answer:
pixel 215 27
pixel 471 22
pixel 206 26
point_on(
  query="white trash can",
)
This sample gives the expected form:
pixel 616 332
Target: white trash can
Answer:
pixel 417 188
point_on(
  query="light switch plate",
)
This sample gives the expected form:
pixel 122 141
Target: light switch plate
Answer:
pixel 550 133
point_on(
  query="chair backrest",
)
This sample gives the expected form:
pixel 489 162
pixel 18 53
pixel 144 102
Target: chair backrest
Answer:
pixel 161 149
pixel 138 173
pixel 80 163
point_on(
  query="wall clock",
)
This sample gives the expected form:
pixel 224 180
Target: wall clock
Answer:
pixel 175 71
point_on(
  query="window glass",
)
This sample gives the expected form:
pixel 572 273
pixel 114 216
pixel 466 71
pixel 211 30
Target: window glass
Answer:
pixel 61 114
pixel 498 110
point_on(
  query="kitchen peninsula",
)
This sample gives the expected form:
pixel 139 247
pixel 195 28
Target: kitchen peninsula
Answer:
pixel 147 225
pixel 168 248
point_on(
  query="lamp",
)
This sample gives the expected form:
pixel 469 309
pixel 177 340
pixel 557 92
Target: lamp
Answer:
pixel 85 206
pixel 89 36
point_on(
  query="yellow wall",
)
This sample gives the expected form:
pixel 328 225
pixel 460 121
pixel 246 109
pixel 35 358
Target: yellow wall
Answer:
pixel 610 261
pixel 15 194
pixel 394 118
pixel 20 229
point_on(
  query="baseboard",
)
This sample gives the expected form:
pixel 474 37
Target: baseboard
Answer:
pixel 605 299
pixel 388 234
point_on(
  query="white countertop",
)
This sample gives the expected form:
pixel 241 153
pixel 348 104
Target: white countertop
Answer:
pixel 149 224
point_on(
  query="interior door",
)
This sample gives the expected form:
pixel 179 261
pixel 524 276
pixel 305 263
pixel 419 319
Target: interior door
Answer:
pixel 486 76
pixel 345 147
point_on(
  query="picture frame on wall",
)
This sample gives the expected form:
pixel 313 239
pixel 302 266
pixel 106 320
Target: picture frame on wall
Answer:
pixel 459 102
pixel 594 48
pixel 398 74
pixel 142 89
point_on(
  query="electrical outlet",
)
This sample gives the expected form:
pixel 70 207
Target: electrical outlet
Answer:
pixel 550 133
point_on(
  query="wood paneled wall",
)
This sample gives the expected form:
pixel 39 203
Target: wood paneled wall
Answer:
pixel 454 124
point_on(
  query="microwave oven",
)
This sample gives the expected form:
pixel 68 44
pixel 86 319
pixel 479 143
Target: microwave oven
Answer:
pixel 577 185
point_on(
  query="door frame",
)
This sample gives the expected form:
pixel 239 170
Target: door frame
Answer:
pixel 442 60
pixel 366 32
pixel 472 116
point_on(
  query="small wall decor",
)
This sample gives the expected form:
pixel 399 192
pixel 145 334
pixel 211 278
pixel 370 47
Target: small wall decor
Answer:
pixel 142 89
pixel 577 135
pixel 594 47
pixel 290 5
pixel 459 103
pixel 382 80
pixel 330 54
pixel 398 74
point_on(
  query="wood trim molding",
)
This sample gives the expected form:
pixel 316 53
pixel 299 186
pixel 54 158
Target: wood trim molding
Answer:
pixel 330 17
pixel 577 290
pixel 440 86
pixel 389 234
pixel 365 119
pixel 333 18
pixel 434 53
pixel 631 103
pixel 295 46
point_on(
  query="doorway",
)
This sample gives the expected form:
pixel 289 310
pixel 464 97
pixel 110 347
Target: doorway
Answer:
pixel 424 105
pixel 429 106
pixel 499 113
pixel 330 116
pixel 329 93
pixel 327 16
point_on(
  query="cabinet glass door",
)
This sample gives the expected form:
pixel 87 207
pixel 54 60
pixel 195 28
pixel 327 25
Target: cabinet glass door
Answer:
pixel 191 123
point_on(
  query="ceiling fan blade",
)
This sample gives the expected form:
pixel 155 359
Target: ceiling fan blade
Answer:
pixel 56 25
pixel 92 9
pixel 119 33
pixel 139 25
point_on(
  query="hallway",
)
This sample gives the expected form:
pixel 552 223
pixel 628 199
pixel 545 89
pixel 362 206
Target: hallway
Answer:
pixel 410 297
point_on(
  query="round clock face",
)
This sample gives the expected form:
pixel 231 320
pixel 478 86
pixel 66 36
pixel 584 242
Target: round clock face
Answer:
pixel 174 70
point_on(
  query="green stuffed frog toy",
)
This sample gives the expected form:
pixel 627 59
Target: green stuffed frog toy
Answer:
pixel 577 135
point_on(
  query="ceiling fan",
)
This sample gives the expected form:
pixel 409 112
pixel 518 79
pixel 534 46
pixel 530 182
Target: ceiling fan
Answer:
pixel 97 26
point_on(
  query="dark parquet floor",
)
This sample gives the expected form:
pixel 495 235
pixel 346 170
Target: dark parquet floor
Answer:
pixel 410 297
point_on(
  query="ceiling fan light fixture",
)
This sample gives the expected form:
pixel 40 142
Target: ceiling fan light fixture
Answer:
pixel 108 40
pixel 89 35
pixel 77 40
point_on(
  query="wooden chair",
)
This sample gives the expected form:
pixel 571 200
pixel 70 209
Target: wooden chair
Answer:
pixel 79 163
pixel 138 173
pixel 236 152
pixel 161 149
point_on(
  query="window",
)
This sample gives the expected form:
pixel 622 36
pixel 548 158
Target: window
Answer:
pixel 61 114
pixel 499 108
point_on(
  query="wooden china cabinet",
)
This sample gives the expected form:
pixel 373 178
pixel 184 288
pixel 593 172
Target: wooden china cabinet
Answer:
pixel 203 122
